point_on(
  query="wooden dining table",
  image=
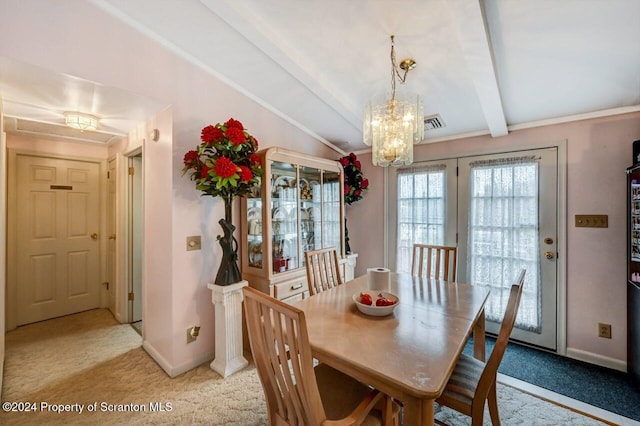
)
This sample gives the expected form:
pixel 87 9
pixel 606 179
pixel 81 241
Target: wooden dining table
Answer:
pixel 409 354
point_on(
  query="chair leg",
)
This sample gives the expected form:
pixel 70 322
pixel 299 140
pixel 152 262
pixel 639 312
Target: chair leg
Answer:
pixel 493 405
pixel 387 411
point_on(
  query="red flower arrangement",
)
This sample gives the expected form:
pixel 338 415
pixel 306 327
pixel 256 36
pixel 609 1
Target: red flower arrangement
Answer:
pixel 224 164
pixel 354 181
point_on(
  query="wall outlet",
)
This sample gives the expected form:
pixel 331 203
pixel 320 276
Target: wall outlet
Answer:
pixel 193 243
pixel 604 330
pixel 192 333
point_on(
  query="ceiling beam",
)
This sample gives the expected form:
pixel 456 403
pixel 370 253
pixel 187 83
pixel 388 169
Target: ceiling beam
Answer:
pixel 475 41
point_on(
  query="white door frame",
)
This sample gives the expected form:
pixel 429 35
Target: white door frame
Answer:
pixel 561 339
pixel 11 301
pixel 136 234
pixel 123 235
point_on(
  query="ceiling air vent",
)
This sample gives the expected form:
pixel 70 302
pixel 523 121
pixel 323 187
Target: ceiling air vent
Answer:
pixel 432 122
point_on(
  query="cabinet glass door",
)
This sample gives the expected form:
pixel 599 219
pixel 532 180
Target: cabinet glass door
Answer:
pixel 331 196
pixel 254 228
pixel 284 217
pixel 310 208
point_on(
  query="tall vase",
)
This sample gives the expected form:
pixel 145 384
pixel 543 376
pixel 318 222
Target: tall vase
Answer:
pixel 347 247
pixel 228 273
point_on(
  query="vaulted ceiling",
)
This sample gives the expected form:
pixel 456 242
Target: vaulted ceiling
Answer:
pixel 485 67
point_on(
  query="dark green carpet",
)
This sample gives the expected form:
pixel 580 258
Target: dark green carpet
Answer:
pixel 601 387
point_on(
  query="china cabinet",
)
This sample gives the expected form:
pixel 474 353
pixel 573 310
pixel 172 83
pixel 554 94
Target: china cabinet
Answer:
pixel 298 206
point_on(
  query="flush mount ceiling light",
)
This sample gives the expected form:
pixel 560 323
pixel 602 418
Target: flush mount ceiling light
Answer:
pixel 80 121
pixel 392 124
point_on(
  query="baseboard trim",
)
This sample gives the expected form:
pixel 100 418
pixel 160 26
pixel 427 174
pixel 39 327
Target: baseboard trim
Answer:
pixel 167 367
pixel 596 359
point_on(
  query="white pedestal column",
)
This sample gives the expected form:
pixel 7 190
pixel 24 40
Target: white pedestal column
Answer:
pixel 227 300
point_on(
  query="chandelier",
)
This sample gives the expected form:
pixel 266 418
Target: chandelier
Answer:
pixel 80 121
pixel 392 126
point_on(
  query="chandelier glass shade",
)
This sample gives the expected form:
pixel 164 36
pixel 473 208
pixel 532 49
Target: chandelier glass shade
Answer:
pixel 393 123
pixel 81 121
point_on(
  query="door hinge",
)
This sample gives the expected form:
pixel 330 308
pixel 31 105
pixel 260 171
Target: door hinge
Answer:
pixel 108 175
pixel 456 238
pixel 131 296
pixel 457 171
pixel 131 171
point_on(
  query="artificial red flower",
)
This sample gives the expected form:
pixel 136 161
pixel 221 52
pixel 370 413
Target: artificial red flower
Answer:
pixel 245 174
pixel 235 135
pixel 225 168
pixel 215 164
pixel 204 172
pixel 191 158
pixel 354 182
pixel 211 134
pixel 234 123
pixel 254 159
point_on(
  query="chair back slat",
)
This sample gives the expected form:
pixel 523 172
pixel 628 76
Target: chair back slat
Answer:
pixel 441 261
pixel 323 271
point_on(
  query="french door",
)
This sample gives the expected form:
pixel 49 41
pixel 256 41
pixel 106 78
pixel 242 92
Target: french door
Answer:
pixel 507 221
pixel 501 212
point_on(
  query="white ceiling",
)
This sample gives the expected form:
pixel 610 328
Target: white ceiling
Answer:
pixel 486 67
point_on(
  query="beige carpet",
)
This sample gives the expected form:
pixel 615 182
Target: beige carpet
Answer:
pixel 89 358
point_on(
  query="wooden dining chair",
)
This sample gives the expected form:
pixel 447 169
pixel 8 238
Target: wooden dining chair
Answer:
pixel 442 261
pixel 473 382
pixel 297 393
pixel 323 272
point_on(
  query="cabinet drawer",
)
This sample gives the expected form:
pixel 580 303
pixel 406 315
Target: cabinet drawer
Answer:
pixel 290 288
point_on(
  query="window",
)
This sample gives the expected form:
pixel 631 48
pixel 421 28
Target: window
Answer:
pixel 421 210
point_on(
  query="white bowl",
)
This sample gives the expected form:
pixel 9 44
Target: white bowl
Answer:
pixel 373 310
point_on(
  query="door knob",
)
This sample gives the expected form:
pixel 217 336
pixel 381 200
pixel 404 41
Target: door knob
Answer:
pixel 549 255
pixel 94 236
pixel 112 236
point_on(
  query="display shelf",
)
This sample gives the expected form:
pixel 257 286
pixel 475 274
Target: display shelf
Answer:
pixel 297 207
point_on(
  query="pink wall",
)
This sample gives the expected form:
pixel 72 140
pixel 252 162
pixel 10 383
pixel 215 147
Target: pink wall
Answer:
pixel 599 151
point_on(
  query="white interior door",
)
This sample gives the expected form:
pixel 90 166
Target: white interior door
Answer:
pixel 507 220
pixel 57 237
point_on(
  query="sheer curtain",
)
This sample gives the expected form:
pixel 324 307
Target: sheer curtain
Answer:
pixel 421 210
pixel 504 235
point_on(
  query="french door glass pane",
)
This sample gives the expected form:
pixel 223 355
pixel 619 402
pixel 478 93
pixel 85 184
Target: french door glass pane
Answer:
pixel 421 212
pixel 504 236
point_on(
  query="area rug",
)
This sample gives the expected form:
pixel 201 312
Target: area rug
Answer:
pixel 89 369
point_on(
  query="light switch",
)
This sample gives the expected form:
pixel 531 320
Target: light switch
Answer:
pixel 193 243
